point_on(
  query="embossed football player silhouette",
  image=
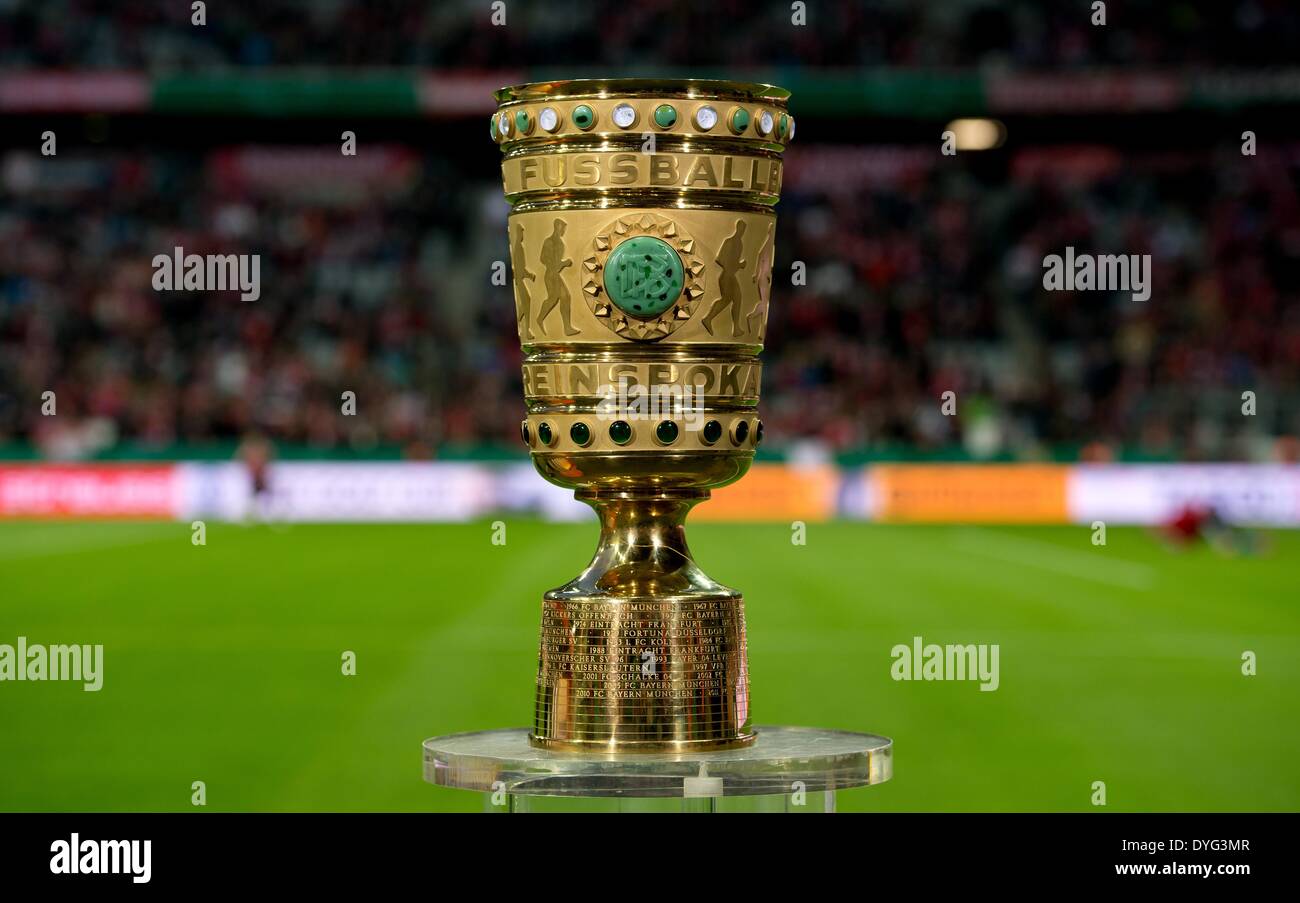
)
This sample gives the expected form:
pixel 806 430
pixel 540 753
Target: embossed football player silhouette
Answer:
pixel 555 262
pixel 763 281
pixel 520 264
pixel 731 261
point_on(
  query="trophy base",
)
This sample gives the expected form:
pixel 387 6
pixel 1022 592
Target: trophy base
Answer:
pixel 805 766
pixel 638 747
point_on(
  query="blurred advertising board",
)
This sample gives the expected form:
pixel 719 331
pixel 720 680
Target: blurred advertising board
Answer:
pixel 969 493
pixel 89 491
pixel 304 491
pixel 775 492
pixel 433 491
pixel 1259 494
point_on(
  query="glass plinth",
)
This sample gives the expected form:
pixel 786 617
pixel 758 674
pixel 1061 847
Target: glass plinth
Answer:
pixel 804 765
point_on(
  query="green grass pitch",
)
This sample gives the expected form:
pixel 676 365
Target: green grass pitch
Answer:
pixel 1119 664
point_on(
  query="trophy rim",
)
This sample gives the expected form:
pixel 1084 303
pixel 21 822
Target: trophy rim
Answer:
pixel 689 88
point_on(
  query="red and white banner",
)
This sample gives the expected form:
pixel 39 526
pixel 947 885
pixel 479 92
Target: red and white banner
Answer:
pixel 77 92
pixel 89 491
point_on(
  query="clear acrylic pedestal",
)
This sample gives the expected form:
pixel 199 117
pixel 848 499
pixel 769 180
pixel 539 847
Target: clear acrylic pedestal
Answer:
pixel 786 769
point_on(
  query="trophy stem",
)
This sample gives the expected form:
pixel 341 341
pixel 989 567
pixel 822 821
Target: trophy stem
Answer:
pixel 642 652
pixel 642 549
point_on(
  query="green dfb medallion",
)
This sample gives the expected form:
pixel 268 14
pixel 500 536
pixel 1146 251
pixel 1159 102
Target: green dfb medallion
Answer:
pixel 644 276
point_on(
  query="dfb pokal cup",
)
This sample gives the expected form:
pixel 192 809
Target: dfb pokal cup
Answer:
pixel 641 239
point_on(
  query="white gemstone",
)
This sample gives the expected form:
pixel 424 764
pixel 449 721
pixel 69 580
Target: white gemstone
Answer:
pixel 624 115
pixel 706 118
pixel 765 123
pixel 789 136
pixel 548 119
pixel 503 124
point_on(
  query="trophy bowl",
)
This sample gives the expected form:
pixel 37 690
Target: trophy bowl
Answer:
pixel 641 239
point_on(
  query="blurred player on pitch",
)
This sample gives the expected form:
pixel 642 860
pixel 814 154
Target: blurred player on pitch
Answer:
pixel 256 453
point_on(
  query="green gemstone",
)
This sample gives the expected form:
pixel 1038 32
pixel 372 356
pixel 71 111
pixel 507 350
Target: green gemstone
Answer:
pixel 667 432
pixel 782 125
pixel 521 122
pixel 739 120
pixel 525 433
pixel 621 432
pixel 758 433
pixel 544 433
pixel 583 116
pixel 742 432
pixel 644 276
pixel 665 116
pixel 492 130
pixel 712 431
pixel 580 433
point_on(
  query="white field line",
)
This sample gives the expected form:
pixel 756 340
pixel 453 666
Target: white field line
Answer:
pixel 46 540
pixel 1098 565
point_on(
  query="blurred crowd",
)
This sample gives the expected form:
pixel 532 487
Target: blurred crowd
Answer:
pixel 923 276
pixel 929 279
pixel 158 35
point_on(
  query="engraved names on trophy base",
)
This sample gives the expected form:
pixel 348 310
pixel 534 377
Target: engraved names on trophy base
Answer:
pixel 634 665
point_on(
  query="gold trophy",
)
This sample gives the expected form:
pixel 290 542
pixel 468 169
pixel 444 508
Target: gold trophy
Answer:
pixel 641 240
